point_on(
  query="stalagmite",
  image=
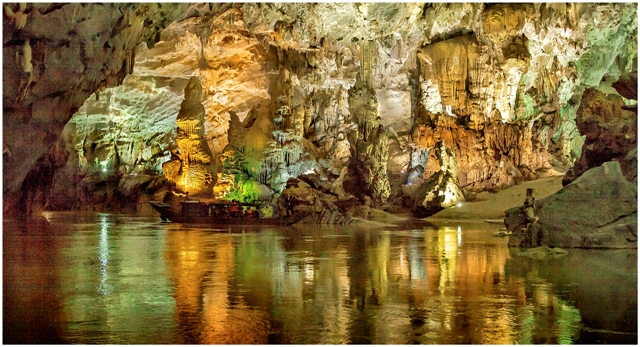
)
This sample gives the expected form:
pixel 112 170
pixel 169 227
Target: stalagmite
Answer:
pixel 362 97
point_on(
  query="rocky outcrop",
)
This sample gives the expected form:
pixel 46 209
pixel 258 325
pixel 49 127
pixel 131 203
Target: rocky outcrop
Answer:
pixel 313 197
pixel 55 57
pixel 367 167
pixel 610 131
pixel 106 141
pixel 597 210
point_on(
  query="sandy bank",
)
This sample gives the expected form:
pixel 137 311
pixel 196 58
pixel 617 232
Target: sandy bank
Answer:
pixel 492 205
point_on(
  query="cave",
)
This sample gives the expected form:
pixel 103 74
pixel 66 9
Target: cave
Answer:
pixel 358 120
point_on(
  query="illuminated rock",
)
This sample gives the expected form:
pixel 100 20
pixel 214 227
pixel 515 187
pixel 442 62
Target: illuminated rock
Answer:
pixel 193 168
pixel 57 55
pixel 367 167
pixel 497 84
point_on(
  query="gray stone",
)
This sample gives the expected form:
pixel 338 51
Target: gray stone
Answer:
pixel 597 210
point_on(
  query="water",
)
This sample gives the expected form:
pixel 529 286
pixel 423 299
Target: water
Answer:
pixel 114 279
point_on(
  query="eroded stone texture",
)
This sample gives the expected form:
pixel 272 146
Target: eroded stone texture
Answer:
pixel 610 131
pixel 367 167
pixel 192 167
pixel 497 86
pixel 107 141
pixel 598 205
pixel 55 56
pixel 312 197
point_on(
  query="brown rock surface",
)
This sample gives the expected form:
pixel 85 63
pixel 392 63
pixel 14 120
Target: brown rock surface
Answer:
pixel 56 55
pixel 611 132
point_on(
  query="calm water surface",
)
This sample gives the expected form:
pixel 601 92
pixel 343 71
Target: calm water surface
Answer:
pixel 114 279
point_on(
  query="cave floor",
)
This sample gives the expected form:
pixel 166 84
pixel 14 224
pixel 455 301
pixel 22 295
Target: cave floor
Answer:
pixel 492 205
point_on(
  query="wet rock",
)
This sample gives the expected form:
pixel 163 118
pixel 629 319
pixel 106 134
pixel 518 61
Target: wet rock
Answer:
pixel 321 206
pixel 438 192
pixel 597 210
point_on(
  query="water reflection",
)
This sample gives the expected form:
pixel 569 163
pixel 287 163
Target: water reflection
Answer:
pixel 454 284
pixel 103 255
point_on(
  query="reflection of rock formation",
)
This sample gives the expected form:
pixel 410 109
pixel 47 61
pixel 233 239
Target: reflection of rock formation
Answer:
pixel 362 286
pixel 186 266
pixel 32 307
pixel 604 312
pixel 193 170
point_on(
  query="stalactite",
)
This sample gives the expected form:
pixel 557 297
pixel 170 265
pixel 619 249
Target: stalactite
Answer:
pixel 367 51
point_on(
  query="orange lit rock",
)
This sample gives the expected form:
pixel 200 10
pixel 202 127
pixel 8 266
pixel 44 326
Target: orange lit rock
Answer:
pixel 193 170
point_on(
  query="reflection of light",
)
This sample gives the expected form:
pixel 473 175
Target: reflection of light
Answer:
pixel 459 235
pixel 459 204
pixel 104 170
pixel 103 255
pixel 47 215
pixel 308 272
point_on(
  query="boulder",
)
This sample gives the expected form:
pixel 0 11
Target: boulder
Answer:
pixel 440 191
pixel 597 210
pixel 321 206
pixel 611 131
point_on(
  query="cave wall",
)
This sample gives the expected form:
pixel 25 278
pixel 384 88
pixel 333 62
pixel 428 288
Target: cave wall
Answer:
pixel 54 57
pixel 409 105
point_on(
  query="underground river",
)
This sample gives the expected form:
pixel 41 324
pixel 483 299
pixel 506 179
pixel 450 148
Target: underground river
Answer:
pixel 117 279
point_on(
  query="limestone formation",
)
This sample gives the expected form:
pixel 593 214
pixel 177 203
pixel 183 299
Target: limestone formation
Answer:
pixel 309 196
pixel 193 168
pixel 55 57
pixel 374 99
pixel 598 206
pixel 610 131
pixel 597 210
pixel 367 167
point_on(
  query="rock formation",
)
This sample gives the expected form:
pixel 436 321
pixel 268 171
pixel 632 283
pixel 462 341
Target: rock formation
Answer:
pixel 192 168
pixel 597 210
pixel 598 207
pixel 410 107
pixel 610 130
pixel 55 57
